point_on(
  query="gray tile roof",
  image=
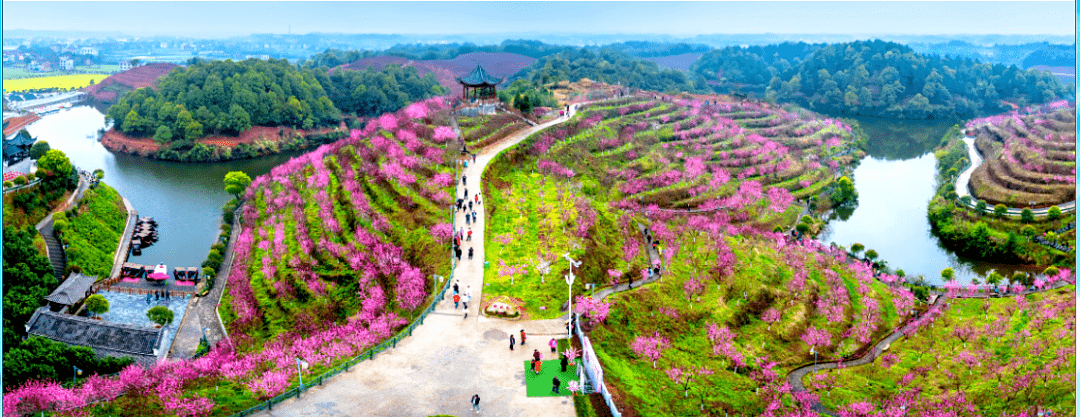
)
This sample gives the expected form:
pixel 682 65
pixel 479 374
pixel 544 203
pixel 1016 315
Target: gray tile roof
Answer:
pixel 72 290
pixel 479 76
pixel 105 338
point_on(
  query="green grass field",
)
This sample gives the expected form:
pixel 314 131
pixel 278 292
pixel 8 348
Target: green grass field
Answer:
pixel 540 385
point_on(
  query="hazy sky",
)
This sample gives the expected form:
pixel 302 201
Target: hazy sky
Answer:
pixel 203 19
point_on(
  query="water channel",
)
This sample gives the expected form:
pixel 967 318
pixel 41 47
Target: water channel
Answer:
pixel 895 183
pixel 185 199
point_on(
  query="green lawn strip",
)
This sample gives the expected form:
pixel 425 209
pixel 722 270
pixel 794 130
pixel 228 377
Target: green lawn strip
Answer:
pixel 540 385
pixel 94 232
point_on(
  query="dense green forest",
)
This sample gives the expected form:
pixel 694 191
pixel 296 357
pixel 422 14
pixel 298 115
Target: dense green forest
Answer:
pixel 227 97
pixel 877 78
pixel 534 49
pixel 752 66
pixel 608 66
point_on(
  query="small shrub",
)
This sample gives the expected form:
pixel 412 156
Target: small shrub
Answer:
pixel 1027 216
pixel 160 315
pixel 1054 213
pixel 1000 210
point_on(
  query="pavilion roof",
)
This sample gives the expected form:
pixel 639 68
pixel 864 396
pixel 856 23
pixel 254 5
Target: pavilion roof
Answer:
pixel 479 77
pixel 72 290
pixel 23 138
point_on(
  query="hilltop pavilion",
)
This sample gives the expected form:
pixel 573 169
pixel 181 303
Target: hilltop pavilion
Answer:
pixel 479 83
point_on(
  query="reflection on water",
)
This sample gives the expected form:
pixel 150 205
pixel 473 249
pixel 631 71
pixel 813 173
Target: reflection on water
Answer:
pixel 895 184
pixel 894 140
pixel 185 199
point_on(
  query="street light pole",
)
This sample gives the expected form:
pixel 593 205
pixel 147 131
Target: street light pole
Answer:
pixel 299 374
pixel 570 291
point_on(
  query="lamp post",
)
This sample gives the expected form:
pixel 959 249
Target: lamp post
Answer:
pixel 299 374
pixel 570 290
pixel 814 351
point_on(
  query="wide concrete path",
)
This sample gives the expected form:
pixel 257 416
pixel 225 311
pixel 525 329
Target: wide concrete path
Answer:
pixel 450 357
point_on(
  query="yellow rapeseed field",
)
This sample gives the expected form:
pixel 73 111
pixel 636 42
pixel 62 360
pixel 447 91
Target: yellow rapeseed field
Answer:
pixel 62 81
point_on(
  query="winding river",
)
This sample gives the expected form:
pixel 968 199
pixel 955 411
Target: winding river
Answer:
pixel 895 183
pixel 185 199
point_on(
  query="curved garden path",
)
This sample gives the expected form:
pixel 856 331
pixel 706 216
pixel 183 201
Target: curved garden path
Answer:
pixel 450 357
pixel 964 180
pixel 795 377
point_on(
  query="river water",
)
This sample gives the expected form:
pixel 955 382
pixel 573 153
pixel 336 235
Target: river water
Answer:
pixel 185 199
pixel 895 183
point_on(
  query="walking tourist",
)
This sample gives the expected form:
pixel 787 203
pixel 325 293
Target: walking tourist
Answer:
pixel 457 298
pixel 523 337
pixel 465 302
pixel 512 342
pixel 457 251
pixel 555 382
pixel 470 253
pixel 564 361
pixel 466 193
pixel 476 403
pixel 469 238
pixel 470 205
pixel 467 219
pixel 456 286
pixel 537 366
pixel 552 344
pixel 147 298
pixel 462 180
pixel 536 353
pixel 474 217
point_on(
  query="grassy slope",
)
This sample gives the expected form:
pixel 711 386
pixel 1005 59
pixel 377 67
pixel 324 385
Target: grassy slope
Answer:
pixel 513 189
pixel 663 307
pixel 932 358
pixel 95 231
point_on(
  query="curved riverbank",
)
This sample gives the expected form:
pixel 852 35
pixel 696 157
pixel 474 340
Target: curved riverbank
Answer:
pixel 255 142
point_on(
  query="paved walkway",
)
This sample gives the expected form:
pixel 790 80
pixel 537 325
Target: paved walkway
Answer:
pixel 964 180
pixel 450 357
pixel 202 313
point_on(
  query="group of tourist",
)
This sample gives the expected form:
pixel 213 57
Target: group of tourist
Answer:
pixel 158 295
pixel 465 298
pixel 471 216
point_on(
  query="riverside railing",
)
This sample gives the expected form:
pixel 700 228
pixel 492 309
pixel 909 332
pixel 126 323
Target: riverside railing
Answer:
pixel 36 181
pixel 591 370
pixel 369 354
